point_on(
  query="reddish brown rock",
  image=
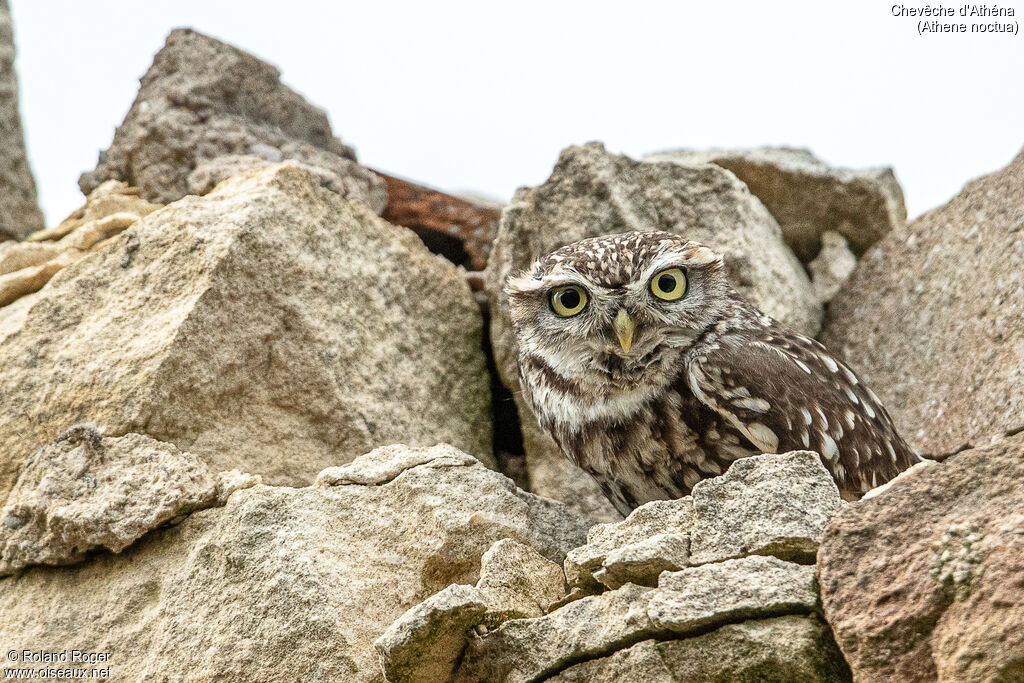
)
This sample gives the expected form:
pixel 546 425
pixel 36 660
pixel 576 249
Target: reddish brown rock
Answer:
pixel 925 582
pixel 458 229
pixel 933 317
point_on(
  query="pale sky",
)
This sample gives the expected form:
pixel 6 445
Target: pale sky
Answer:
pixel 481 96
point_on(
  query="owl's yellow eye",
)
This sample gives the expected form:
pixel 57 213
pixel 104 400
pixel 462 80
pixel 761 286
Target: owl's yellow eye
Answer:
pixel 669 284
pixel 568 301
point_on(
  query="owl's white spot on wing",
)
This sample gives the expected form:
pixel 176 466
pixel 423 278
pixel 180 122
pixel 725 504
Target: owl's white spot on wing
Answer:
pixel 829 449
pixel 803 366
pixel 805 438
pixel 807 416
pixel 869 410
pixel 830 364
pixel 758 405
pixel 851 418
pixel 852 396
pixel 762 437
pixel 892 451
pixel 824 420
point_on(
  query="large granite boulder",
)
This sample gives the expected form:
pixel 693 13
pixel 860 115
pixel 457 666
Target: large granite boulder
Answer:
pixel 19 209
pixel 270 326
pixel 286 584
pixel 202 100
pixel 925 581
pixel 808 197
pixel 933 317
pixel 590 193
pixel 743 606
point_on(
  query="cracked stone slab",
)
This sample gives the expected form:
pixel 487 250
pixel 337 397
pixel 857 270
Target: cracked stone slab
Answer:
pixel 86 492
pixel 517 582
pixel 790 649
pixel 773 504
pixel 733 590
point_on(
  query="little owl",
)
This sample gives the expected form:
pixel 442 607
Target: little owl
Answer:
pixel 651 373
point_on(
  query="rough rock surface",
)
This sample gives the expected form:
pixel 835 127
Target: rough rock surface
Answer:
pixel 270 327
pixel 925 582
pixel 933 317
pixel 19 209
pixel 770 505
pixel 203 99
pixel 832 267
pixel 26 267
pixel 84 492
pixel 286 584
pixel 657 594
pixel 789 649
pixel 808 197
pixel 591 192
pixel 517 582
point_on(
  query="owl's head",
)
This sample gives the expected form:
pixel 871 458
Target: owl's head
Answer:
pixel 617 302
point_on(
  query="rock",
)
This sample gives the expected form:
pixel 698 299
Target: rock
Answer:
pixel 19 209
pixel 933 317
pixel 733 590
pixel 26 267
pixel 591 192
pixel 925 581
pixel 84 492
pixel 286 584
pixel 643 562
pixel 764 505
pixel 517 582
pixel 459 228
pixel 270 327
pixel 832 267
pixel 659 517
pixel 203 99
pixel 787 649
pixel 684 603
pixel 425 643
pixel 808 197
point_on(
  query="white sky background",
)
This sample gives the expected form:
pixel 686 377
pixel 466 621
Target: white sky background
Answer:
pixel 482 95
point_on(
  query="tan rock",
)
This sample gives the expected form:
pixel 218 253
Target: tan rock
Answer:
pixel 517 582
pixel 933 317
pixel 808 197
pixel 285 584
pixel 85 492
pixel 270 327
pixel 591 192
pixel 832 267
pixel 923 582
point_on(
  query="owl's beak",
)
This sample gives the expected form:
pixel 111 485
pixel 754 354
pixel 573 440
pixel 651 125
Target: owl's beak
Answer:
pixel 624 327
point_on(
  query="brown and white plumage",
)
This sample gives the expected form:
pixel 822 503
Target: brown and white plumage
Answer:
pixel 650 395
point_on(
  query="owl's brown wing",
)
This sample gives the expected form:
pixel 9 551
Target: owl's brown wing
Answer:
pixel 784 392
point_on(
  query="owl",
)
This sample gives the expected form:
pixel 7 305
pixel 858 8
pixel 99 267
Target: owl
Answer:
pixel 651 373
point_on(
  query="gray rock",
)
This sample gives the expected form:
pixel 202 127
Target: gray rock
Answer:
pixel 698 597
pixel 933 317
pixel 808 197
pixel 270 327
pixel 517 582
pixel 642 562
pixel 832 267
pixel 85 492
pixel 764 505
pixel 19 209
pixel 591 192
pixel 203 99
pixel 425 643
pixel 286 584
pixel 654 518
pixel 787 649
